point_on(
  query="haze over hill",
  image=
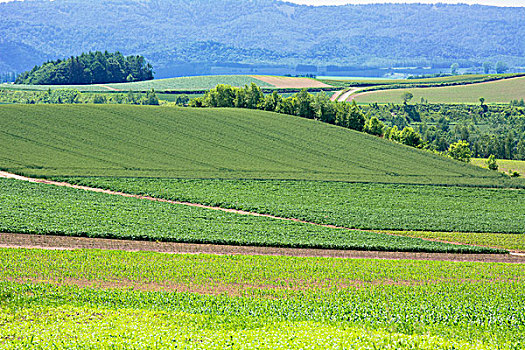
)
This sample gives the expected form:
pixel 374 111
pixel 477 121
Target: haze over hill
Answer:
pixel 191 37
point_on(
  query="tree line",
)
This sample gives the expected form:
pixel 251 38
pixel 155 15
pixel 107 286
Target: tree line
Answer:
pixel 305 105
pixel 73 96
pixel 89 68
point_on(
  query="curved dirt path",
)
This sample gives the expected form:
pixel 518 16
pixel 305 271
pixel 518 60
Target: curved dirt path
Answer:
pixel 336 95
pixel 27 241
pixel 344 97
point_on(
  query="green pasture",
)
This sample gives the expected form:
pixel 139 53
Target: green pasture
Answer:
pixel 504 165
pixel 353 205
pixel 466 79
pixel 86 299
pixel 507 241
pixel 145 141
pixel 500 91
pixel 49 210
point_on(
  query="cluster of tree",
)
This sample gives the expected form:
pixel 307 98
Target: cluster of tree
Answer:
pixel 69 96
pixel 89 68
pixel 359 35
pixel 497 130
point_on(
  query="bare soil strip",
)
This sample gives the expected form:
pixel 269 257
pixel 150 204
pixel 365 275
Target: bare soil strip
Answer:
pixel 344 97
pixel 336 95
pixel 290 82
pixel 28 241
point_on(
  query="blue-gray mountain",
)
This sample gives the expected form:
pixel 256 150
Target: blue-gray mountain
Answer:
pixel 184 35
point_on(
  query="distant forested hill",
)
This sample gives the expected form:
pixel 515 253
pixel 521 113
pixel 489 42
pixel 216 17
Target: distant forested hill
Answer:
pixel 192 32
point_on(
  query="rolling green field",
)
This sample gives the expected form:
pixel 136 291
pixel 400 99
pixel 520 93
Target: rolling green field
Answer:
pixel 501 91
pixel 184 83
pixel 507 241
pixel 142 141
pixel 353 205
pixel 504 165
pixel 49 210
pixel 255 302
pixel 467 79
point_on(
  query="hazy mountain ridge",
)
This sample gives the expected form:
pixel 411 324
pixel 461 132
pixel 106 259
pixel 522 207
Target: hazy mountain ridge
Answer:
pixel 261 31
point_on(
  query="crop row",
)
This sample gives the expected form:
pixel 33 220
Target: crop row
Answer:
pixel 439 305
pixel 353 205
pixel 46 209
pixel 236 274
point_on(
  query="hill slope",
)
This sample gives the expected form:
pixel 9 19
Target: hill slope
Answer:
pixel 111 140
pixel 501 91
pixel 193 34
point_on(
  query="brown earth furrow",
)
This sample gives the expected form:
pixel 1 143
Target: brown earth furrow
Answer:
pixel 29 241
pixel 291 82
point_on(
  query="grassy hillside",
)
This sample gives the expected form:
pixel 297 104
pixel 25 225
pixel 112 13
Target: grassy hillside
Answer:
pixel 107 140
pixel 501 91
pixel 504 165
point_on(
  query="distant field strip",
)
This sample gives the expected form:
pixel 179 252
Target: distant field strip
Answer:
pixel 508 241
pixel 290 82
pixel 352 205
pixel 504 165
pixel 141 141
pixel 46 209
pixel 184 83
pixel 501 91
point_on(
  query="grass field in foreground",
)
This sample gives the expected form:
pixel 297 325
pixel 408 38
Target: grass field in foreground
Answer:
pixel 501 91
pixel 142 141
pixel 244 302
pixel 46 209
pixel 354 205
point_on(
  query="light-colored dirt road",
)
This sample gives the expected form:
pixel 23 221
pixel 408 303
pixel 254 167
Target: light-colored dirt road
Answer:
pixel 336 95
pixel 346 96
pixel 291 82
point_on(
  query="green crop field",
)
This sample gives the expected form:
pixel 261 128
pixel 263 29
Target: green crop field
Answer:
pixel 501 91
pixel 65 300
pixel 463 79
pixel 184 83
pixel 507 241
pixel 45 209
pixel 354 205
pixel 142 141
pixel 504 165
